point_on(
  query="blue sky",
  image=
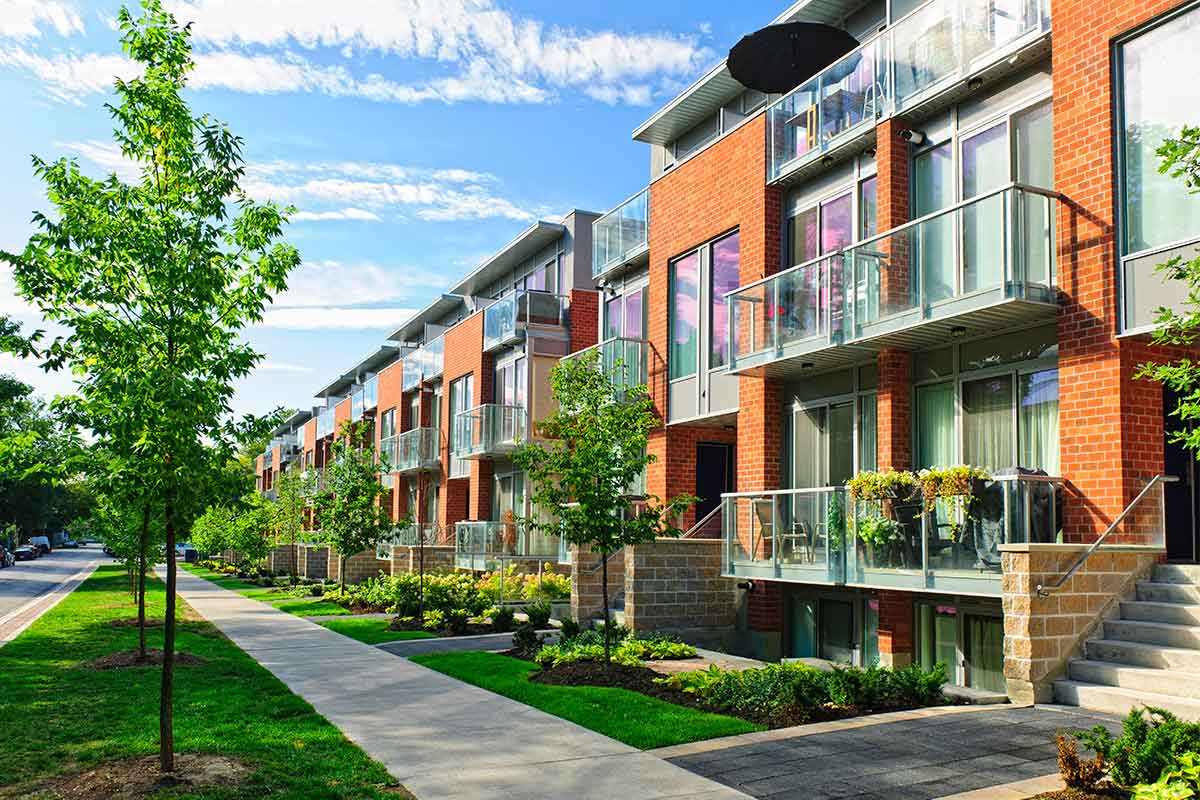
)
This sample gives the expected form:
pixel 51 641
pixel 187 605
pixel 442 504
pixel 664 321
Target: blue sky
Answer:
pixel 414 137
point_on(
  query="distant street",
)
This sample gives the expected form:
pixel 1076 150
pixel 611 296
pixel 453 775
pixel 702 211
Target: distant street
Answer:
pixel 26 581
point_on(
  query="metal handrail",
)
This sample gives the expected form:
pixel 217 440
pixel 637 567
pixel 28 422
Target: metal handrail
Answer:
pixel 1044 591
pixel 690 532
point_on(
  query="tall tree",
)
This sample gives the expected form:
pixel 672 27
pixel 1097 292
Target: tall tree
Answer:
pixel 350 512
pixel 155 281
pixel 594 450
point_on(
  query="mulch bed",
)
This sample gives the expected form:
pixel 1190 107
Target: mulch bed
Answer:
pixel 136 778
pixel 130 659
pixel 1083 794
pixel 641 679
pixel 472 629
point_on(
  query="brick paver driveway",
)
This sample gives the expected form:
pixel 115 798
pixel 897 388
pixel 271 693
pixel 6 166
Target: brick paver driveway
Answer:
pixel 916 759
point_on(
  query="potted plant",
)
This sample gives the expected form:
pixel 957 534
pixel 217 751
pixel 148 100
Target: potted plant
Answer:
pixel 960 487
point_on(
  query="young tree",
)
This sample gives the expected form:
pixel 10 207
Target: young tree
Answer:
pixel 251 535
pixel 292 490
pixel 1181 159
pixel 595 448
pixel 349 510
pixel 211 532
pixel 154 282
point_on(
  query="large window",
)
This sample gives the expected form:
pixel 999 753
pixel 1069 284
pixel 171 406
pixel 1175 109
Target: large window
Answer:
pixel 625 315
pixel 387 424
pixel 685 315
pixel 726 277
pixel 462 398
pixel 510 383
pixel 1158 95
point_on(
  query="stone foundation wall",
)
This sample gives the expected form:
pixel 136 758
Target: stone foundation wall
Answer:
pixel 313 562
pixel 675 585
pixel 282 560
pixel 438 558
pixel 359 567
pixel 1042 633
pixel 586 578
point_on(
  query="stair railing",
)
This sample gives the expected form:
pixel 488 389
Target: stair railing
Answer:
pixel 1157 480
pixel 698 530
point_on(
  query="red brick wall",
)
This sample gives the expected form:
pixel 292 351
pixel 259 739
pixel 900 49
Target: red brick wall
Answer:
pixel 461 498
pixel 894 418
pixel 680 462
pixel 760 445
pixel 764 606
pixel 310 439
pixel 341 415
pixel 1110 426
pixel 585 319
pixel 896 627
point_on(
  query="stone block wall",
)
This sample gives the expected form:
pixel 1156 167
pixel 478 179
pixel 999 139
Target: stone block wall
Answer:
pixel 1042 633
pixel 439 558
pixel 675 585
pixel 359 567
pixel 586 583
pixel 313 562
pixel 282 559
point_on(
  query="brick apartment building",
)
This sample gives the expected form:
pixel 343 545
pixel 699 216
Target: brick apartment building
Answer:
pixel 938 250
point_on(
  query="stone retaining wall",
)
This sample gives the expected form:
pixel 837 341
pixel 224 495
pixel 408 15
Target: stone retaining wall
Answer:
pixel 438 558
pixel 675 585
pixel 312 561
pixel 1041 634
pixel 282 560
pixel 586 590
pixel 359 567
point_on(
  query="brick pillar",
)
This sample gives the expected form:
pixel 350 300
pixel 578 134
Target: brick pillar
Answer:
pixel 760 444
pixel 452 505
pixel 892 167
pixel 896 629
pixel 585 318
pixel 894 417
pixel 480 495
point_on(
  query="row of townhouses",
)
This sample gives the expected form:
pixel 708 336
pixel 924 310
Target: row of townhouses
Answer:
pixel 940 249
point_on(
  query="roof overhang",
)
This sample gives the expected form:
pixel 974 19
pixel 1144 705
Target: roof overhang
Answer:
pixel 385 355
pixel 291 423
pixel 717 87
pixel 530 241
pixel 414 328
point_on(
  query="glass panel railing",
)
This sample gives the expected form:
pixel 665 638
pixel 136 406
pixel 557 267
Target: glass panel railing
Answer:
pixel 412 370
pixel 388 454
pixel 486 545
pixel 356 405
pixel 621 233
pixel 325 423
pixel 622 359
pixel 797 534
pixel 416 450
pixel 500 322
pixel 414 535
pixel 505 320
pixel 927 51
pixel 431 361
pixel 370 393
pixel 488 430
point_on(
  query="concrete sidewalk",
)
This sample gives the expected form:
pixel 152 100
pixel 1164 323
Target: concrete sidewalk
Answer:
pixel 439 737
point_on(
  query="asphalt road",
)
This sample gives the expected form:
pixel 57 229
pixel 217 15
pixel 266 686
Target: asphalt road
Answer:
pixel 26 580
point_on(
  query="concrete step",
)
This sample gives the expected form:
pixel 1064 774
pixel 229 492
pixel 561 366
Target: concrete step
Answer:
pixel 1139 654
pixel 1177 573
pixel 1142 679
pixel 1168 592
pixel 1118 700
pixel 1173 613
pixel 1161 633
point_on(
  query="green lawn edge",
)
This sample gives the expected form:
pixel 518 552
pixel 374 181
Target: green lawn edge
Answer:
pixel 627 716
pixel 371 630
pixel 58 717
pixel 313 607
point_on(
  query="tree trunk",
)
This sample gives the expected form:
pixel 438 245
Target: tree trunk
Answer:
pixel 420 575
pixel 342 571
pixel 166 731
pixel 143 548
pixel 604 595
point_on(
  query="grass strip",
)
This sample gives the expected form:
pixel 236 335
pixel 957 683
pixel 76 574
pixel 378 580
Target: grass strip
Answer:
pixel 58 717
pixel 314 607
pixel 627 716
pixel 371 631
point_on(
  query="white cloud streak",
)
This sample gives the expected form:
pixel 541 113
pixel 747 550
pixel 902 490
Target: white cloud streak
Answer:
pixel 334 283
pixel 356 214
pixel 335 318
pixel 284 366
pixel 25 19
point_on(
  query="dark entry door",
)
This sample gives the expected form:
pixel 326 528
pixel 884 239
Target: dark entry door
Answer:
pixel 1182 509
pixel 714 475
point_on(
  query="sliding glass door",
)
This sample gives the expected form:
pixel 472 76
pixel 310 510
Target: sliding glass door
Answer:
pixel 933 190
pixel 984 167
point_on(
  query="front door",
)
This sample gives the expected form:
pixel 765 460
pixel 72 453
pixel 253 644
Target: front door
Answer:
pixel 714 475
pixel 1183 498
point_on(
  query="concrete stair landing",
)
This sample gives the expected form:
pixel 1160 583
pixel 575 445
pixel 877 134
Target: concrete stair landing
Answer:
pixel 1150 655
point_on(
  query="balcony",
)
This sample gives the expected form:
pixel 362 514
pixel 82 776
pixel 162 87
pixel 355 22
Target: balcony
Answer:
pixel 325 423
pixel 489 430
pixel 480 546
pixel 506 320
pixel 926 56
pixel 623 360
pixel 807 536
pixel 416 451
pixel 981 265
pixel 423 364
pixel 622 236
pixel 408 536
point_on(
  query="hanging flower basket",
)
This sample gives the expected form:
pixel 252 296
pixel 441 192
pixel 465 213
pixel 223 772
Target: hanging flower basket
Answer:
pixel 960 487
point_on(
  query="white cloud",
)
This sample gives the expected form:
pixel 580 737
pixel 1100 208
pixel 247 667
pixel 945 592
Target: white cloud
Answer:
pixel 335 317
pixel 24 19
pixel 334 283
pixel 283 366
pixel 357 214
pixel 70 77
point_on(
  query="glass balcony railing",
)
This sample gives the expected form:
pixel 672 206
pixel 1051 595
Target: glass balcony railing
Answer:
pixel 927 51
pixel 622 359
pixel 622 234
pixel 422 364
pixel 370 393
pixel 487 545
pixel 416 451
pixel 356 405
pixel 819 536
pixel 388 453
pixel 325 423
pixel 412 535
pixel 989 251
pixel 506 320
pixel 488 430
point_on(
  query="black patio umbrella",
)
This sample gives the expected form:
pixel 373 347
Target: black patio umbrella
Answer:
pixel 777 58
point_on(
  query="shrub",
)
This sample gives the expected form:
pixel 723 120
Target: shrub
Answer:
pixel 457 619
pixel 618 633
pixel 525 586
pixel 629 652
pixel 1181 780
pixel 503 619
pixel 568 629
pixel 538 613
pixel 1078 774
pixel 1149 743
pixel 526 641
pixel 400 594
pixel 434 621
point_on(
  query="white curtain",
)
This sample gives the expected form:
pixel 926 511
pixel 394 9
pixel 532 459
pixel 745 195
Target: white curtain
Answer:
pixel 1037 421
pixel 988 423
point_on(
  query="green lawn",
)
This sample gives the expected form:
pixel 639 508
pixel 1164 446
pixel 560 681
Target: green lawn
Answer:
pixel 312 607
pixel 276 592
pixel 58 717
pixel 624 715
pixel 371 631
pixel 225 581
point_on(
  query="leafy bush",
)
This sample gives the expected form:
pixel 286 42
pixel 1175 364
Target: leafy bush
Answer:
pixel 538 613
pixel 1181 780
pixel 400 594
pixel 618 633
pixel 434 621
pixel 568 629
pixel 524 586
pixel 456 620
pixel 1149 743
pixel 526 640
pixel 503 619
pixel 799 690
pixel 1077 773
pixel 629 652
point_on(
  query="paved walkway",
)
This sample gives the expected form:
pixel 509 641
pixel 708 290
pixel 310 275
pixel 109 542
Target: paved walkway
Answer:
pixel 439 737
pixel 29 589
pixel 918 755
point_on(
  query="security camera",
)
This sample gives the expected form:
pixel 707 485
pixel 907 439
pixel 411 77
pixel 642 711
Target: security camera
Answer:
pixel 912 137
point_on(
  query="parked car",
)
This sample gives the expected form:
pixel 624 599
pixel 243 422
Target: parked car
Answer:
pixel 41 543
pixel 25 553
pixel 6 558
pixel 69 544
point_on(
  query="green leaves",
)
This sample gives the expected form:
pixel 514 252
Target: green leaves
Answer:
pixel 349 510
